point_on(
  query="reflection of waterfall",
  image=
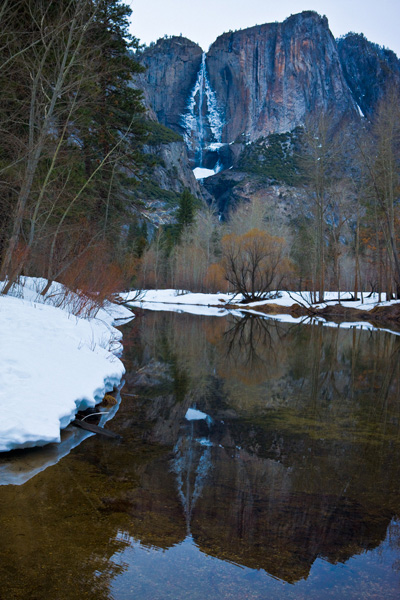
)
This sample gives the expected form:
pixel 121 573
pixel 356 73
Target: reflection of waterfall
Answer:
pixel 191 466
pixel 202 121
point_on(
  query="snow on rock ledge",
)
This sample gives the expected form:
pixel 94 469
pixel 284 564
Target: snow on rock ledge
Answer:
pixel 202 173
pixel 51 365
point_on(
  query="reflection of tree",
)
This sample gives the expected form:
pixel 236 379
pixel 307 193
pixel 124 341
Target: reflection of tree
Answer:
pixel 330 399
pixel 253 348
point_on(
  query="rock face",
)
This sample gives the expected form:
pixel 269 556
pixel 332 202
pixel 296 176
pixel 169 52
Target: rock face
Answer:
pixel 261 80
pixel 368 69
pixel 172 171
pixel 166 174
pixel 172 66
pixel 267 78
pixel 253 83
pixel 233 187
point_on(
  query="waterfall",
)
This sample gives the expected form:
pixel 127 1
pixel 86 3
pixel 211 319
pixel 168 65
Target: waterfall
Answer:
pixel 202 121
pixel 213 114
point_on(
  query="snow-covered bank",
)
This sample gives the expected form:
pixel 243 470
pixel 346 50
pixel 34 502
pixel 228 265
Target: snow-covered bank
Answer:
pixel 214 305
pixel 171 296
pixel 178 301
pixel 284 299
pixel 52 364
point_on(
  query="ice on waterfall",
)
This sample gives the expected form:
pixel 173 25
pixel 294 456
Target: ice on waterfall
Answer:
pixel 213 114
pixel 194 122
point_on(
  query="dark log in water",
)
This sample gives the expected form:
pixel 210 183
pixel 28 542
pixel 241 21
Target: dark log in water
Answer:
pixel 95 429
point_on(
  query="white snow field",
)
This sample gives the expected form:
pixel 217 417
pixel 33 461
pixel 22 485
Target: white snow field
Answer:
pixel 52 363
pixel 178 301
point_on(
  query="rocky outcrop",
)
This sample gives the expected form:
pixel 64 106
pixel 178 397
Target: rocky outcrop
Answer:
pixel 171 65
pixel 369 70
pixel 172 171
pixel 232 187
pixel 164 178
pixel 268 78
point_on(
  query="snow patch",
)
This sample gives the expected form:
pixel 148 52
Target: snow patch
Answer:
pixel 201 173
pixel 205 442
pixel 193 414
pixel 215 146
pixel 52 364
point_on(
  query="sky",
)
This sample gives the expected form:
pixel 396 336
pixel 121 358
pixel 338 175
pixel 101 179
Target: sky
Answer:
pixel 203 20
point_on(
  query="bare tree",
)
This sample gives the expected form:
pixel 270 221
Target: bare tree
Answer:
pixel 254 263
pixel 48 69
pixel 380 153
pixel 320 152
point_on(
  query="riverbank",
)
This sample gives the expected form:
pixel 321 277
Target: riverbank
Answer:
pixel 52 362
pixel 285 306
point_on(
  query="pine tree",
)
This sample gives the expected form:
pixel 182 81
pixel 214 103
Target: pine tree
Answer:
pixel 113 121
pixel 186 211
pixel 72 129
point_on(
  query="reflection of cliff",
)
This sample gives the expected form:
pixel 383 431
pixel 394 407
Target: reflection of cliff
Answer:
pixel 250 513
pixel 299 465
pixel 301 459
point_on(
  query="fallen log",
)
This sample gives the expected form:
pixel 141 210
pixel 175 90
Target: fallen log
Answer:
pixel 95 429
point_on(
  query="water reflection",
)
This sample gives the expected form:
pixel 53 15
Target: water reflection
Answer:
pixel 304 436
pixel 295 477
pixel 19 466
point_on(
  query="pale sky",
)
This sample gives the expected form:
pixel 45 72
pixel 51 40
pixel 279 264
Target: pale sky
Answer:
pixel 203 20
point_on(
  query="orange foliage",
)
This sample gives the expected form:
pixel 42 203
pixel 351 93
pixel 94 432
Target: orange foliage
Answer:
pixel 214 280
pixel 97 275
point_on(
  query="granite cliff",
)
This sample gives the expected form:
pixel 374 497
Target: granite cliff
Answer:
pixel 269 77
pixel 166 170
pixel 368 70
pixel 171 70
pixel 252 85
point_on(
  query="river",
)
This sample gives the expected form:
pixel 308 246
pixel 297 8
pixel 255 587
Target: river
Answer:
pixel 282 481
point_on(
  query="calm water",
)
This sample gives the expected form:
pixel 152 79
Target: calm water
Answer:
pixel 289 490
